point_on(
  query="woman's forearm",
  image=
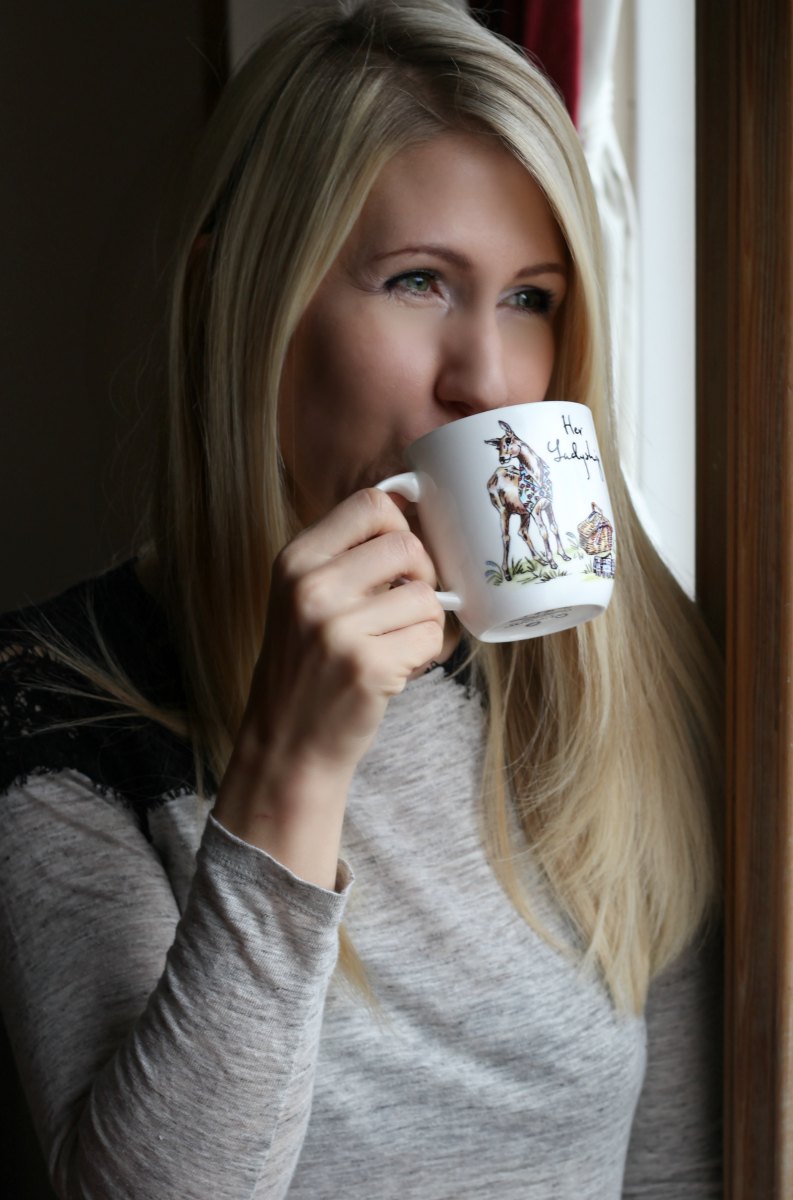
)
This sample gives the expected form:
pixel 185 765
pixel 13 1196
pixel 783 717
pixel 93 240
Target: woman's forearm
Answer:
pixel 159 1053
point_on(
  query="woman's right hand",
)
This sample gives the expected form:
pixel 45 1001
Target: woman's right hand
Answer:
pixel 339 642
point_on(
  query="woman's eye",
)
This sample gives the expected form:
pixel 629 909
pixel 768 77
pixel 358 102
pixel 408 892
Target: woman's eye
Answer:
pixel 533 300
pixel 416 283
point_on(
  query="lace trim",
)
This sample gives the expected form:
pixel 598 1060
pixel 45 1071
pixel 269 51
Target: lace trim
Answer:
pixel 53 719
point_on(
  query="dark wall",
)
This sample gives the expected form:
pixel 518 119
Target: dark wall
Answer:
pixel 99 105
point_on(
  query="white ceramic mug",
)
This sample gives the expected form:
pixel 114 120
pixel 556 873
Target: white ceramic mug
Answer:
pixel 516 515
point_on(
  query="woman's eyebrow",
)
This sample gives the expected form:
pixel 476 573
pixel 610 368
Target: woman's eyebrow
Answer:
pixel 438 251
pixel 543 268
pixel 464 263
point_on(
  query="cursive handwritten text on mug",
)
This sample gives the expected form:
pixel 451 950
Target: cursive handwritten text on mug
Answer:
pixel 572 451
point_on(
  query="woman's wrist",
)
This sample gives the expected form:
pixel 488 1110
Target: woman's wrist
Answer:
pixel 294 812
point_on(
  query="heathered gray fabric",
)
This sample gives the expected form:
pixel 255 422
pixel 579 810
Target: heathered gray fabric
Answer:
pixel 170 1033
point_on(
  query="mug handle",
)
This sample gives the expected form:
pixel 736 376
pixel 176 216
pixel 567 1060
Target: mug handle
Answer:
pixel 407 485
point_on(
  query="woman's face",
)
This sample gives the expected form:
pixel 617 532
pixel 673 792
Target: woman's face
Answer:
pixel 442 303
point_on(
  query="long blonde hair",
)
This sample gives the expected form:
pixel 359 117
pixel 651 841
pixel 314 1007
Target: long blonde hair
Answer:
pixel 604 737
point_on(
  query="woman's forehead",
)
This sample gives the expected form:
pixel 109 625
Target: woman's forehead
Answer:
pixel 455 188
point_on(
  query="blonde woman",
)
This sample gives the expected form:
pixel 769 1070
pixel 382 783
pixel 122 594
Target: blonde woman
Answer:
pixel 392 228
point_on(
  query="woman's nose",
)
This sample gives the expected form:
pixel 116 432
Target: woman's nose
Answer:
pixel 472 373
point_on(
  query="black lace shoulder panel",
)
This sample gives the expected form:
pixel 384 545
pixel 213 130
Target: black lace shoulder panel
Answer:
pixel 52 719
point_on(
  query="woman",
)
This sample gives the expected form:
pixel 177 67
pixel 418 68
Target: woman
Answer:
pixel 393 229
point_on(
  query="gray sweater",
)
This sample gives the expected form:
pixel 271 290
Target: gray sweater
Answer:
pixel 180 1031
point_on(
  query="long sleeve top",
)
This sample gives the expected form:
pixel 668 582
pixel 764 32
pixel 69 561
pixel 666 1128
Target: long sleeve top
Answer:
pixel 170 991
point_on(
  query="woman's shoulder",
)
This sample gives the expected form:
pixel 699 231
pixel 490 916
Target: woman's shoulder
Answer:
pixel 82 677
pixel 108 623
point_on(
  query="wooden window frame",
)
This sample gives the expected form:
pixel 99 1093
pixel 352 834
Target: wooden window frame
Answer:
pixel 745 548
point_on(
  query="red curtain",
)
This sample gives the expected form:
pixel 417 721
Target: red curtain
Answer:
pixel 551 32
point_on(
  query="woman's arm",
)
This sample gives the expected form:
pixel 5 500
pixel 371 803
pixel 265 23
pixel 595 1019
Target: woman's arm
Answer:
pixel 160 1057
pixel 339 642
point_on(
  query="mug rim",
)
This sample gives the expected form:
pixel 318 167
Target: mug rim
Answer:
pixel 494 413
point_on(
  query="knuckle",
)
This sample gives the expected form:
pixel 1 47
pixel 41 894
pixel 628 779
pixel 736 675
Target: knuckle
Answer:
pixel 413 545
pixel 283 563
pixel 378 502
pixel 353 667
pixel 382 508
pixel 288 564
pixel 428 598
pixel 311 598
pixel 405 547
pixel 337 644
pixel 433 631
pixel 326 640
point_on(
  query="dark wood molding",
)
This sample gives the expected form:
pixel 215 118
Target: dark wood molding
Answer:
pixel 745 548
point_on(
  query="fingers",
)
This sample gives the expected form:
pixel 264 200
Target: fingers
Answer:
pixel 403 652
pixel 402 607
pixel 360 573
pixel 386 637
pixel 405 628
pixel 358 549
pixel 363 516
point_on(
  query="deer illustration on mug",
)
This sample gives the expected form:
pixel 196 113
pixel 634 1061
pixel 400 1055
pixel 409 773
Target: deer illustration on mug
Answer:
pixel 523 490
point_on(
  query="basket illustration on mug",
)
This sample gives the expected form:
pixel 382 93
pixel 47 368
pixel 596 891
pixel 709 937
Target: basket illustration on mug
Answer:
pixel 596 537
